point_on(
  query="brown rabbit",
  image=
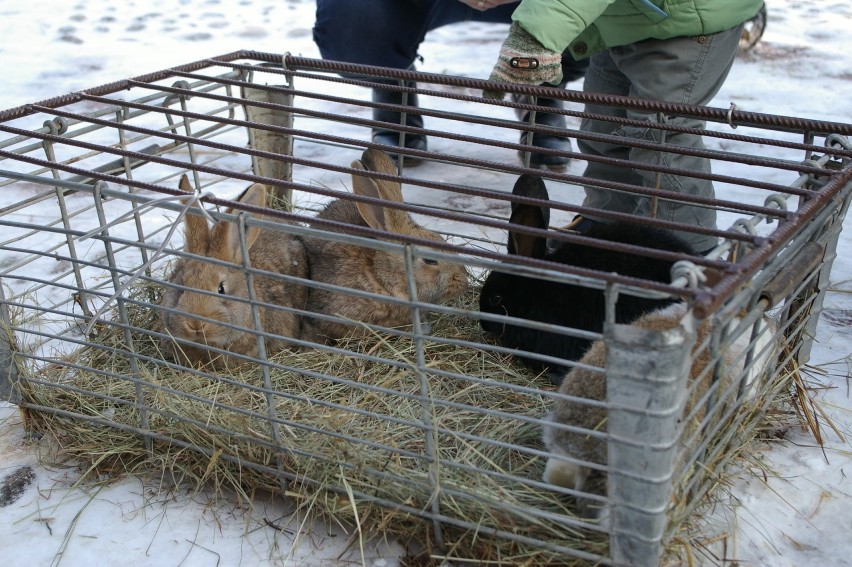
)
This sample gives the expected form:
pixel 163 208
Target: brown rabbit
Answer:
pixel 589 384
pixel 362 268
pixel 269 250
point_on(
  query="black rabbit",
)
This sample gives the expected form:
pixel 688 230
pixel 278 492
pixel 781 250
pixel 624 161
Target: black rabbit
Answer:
pixel 565 304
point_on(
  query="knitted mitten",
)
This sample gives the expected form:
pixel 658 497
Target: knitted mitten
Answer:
pixel 524 60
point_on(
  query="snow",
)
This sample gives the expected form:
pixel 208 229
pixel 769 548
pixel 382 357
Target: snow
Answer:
pixel 796 516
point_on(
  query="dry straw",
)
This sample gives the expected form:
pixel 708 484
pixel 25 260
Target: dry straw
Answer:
pixel 91 409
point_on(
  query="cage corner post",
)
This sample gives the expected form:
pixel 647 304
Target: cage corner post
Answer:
pixel 10 390
pixel 829 238
pixel 264 107
pixel 646 374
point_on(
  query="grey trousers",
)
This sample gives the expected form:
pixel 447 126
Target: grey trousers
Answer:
pixel 688 70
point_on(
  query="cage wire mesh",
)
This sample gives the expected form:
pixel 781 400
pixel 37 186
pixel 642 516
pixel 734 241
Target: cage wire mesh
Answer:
pixel 344 361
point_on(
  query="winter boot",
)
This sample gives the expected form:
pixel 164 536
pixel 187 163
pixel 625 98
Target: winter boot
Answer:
pixel 395 137
pixel 539 160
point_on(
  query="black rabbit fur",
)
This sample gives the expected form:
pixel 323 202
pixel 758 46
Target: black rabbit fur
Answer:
pixel 565 304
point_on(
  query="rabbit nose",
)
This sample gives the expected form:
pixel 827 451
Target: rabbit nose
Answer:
pixel 195 327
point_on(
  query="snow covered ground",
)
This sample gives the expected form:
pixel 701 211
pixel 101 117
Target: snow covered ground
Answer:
pixel 797 517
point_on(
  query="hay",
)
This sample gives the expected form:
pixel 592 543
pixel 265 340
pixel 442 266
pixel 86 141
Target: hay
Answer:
pixel 94 414
pixel 732 450
pixel 344 475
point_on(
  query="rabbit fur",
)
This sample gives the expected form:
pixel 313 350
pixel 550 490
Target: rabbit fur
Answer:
pixel 590 384
pixel 368 269
pixel 268 250
pixel 566 304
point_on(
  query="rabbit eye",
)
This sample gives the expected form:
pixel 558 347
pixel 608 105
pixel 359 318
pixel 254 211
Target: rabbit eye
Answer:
pixel 221 288
pixel 495 299
pixel 430 261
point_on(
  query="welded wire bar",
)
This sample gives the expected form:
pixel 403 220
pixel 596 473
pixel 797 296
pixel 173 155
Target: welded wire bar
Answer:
pixel 732 116
pixel 507 124
pixel 716 155
pixel 513 105
pixel 483 163
pixel 141 405
pixel 726 116
pixel 426 242
pixel 365 497
pixel 713 154
pixel 275 446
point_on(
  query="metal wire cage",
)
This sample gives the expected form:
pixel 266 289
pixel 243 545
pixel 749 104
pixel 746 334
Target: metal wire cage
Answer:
pixel 410 411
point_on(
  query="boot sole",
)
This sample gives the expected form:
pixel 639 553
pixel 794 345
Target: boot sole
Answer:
pixel 554 167
pixel 407 161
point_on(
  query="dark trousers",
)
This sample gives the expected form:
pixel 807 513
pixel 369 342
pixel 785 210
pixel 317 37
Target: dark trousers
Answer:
pixel 388 33
pixel 685 70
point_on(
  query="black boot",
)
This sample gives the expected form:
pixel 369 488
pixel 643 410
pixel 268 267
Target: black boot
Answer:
pixel 394 137
pixel 538 160
pixel 571 71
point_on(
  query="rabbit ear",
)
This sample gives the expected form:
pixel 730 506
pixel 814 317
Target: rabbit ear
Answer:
pixel 196 232
pixel 532 216
pixel 376 216
pixel 226 235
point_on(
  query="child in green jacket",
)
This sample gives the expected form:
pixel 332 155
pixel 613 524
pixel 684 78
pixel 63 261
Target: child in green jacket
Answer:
pixel 668 50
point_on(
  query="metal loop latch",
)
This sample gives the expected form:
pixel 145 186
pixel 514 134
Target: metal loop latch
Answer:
pixel 745 226
pixel 687 270
pixel 836 140
pixel 57 126
pixel 182 84
pixel 730 115
pixel 778 201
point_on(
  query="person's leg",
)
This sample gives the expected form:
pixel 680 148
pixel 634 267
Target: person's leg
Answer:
pixel 571 70
pixel 385 33
pixel 688 70
pixel 604 77
pixel 388 33
pixel 452 11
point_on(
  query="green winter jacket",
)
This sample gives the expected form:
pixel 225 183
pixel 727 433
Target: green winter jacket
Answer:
pixel 588 26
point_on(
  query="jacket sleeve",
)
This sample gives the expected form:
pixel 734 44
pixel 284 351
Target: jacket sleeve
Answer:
pixel 557 23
